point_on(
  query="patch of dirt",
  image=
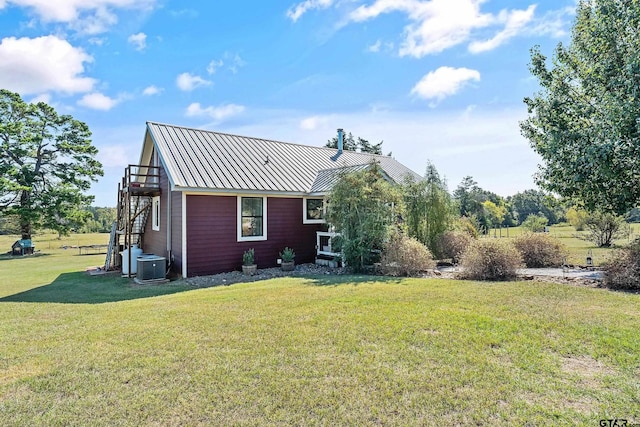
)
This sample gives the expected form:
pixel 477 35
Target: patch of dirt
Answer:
pixel 585 366
pixel 575 281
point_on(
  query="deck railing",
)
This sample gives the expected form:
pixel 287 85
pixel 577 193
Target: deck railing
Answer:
pixel 141 177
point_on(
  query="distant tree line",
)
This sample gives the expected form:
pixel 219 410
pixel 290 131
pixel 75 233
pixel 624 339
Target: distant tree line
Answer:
pixel 95 220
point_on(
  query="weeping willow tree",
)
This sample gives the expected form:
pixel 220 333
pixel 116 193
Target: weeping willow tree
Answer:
pixel 362 207
pixel 428 208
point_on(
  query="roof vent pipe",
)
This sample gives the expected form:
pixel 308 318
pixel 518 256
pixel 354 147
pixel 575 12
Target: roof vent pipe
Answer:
pixel 340 140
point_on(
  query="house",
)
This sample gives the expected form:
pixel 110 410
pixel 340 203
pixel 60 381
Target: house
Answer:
pixel 201 198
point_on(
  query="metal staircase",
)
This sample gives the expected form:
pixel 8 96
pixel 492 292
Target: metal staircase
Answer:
pixel 135 193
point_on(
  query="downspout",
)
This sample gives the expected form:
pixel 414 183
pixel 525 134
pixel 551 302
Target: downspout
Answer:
pixel 169 253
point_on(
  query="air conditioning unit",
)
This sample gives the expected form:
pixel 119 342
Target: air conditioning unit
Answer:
pixel 151 267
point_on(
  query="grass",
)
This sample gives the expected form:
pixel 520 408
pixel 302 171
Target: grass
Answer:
pixel 57 274
pixel 80 350
pixel 576 243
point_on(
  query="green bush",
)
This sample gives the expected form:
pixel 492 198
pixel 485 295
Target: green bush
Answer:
pixel 452 244
pixel 540 250
pixel 490 259
pixel 535 223
pixel 622 271
pixel 405 256
pixel 469 225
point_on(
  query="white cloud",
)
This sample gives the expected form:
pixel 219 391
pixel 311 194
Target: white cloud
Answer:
pixel 43 97
pixel 97 41
pixel 556 23
pixel 152 90
pixel 98 101
pixel 214 65
pixel 188 82
pixel 46 64
pixel 236 62
pixel 437 25
pixel 95 23
pixel 139 41
pixel 114 156
pixel 313 122
pixel 444 82
pixel 375 47
pixel 219 113
pixel 295 12
pixel 88 16
pixel 515 21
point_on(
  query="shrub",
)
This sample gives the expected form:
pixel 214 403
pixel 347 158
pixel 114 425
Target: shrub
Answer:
pixel 469 225
pixel 623 270
pixel 540 250
pixel 577 218
pixel 452 244
pixel 535 223
pixel 490 259
pixel 405 256
pixel 604 228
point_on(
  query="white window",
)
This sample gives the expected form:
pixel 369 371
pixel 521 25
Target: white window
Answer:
pixel 252 218
pixel 155 213
pixel 313 211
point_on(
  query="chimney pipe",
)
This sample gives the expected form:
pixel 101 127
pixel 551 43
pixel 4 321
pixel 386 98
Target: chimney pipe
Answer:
pixel 340 141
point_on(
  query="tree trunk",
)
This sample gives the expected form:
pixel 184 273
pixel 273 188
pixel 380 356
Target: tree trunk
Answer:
pixel 25 222
pixel 25 230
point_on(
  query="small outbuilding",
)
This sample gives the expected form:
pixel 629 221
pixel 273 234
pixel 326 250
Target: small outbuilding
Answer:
pixel 22 247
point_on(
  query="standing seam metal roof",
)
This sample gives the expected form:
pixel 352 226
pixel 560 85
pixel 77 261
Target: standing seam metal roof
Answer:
pixel 206 160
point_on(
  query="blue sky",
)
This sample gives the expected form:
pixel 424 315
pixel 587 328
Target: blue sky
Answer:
pixel 436 80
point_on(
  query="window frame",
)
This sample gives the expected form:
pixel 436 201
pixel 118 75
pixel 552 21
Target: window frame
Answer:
pixel 306 220
pixel 242 238
pixel 156 208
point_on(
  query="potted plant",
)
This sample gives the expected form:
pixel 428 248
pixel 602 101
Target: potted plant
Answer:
pixel 249 266
pixel 287 256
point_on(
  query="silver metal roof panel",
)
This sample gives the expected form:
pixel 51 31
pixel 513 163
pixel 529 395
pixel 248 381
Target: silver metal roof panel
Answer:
pixel 205 160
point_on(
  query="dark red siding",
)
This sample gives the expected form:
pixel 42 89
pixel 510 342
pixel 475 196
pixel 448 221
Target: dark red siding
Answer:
pixel 155 242
pixel 212 245
pixel 176 231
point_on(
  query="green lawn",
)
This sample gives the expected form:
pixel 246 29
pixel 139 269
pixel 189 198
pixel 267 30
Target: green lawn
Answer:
pixel 575 241
pixel 80 350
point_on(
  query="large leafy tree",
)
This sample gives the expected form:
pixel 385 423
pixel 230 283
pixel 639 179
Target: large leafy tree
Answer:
pixel 535 202
pixel 471 202
pixel 585 120
pixel 47 163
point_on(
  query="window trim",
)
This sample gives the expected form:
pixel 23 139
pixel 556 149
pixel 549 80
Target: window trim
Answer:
pixel 242 238
pixel 155 214
pixel 305 220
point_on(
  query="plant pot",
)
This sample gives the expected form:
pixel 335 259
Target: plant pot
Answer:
pixel 288 265
pixel 249 270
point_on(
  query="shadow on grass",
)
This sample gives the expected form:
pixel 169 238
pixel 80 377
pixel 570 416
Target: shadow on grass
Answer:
pixel 339 280
pixel 79 288
pixel 9 257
